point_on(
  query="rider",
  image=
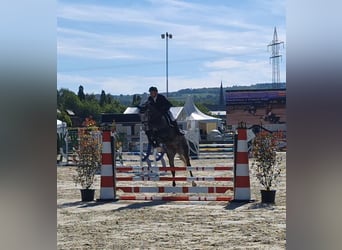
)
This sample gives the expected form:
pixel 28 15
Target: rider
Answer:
pixel 163 105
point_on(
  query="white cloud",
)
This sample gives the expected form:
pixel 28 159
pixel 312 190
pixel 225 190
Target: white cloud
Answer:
pixel 224 64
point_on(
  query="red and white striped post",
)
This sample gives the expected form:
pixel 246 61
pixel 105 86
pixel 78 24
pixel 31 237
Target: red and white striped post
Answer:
pixel 242 189
pixel 107 191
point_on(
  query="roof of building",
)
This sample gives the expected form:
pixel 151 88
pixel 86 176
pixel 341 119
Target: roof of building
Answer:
pixel 218 112
pixel 131 110
pixel 69 112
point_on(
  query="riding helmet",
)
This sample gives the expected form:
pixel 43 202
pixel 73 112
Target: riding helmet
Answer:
pixel 153 89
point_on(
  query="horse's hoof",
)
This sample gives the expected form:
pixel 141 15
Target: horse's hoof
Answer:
pixel 194 184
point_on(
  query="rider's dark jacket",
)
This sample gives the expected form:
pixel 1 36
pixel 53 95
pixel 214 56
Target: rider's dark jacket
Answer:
pixel 162 104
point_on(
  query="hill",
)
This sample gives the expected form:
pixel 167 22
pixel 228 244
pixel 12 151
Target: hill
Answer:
pixel 206 96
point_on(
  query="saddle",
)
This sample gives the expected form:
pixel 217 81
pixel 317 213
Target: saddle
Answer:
pixel 161 131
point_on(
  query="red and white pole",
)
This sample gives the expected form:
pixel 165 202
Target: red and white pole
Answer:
pixel 242 189
pixel 107 191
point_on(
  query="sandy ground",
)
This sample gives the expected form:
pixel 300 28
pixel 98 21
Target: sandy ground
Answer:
pixel 169 225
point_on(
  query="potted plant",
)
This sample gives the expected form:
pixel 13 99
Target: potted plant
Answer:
pixel 266 164
pixel 89 162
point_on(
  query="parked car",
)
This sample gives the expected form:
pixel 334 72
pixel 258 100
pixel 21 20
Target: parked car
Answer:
pixel 216 135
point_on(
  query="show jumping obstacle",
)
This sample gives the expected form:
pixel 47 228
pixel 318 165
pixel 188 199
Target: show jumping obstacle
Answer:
pixel 216 151
pixel 107 191
pixel 143 157
pixel 222 150
pixel 242 189
pixel 231 184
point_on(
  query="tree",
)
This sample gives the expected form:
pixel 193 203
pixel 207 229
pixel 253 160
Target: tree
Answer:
pixel 113 107
pixel 91 98
pixel 109 99
pixel 58 98
pixel 202 108
pixel 80 93
pixel 103 98
pixel 63 116
pixel 90 108
pixel 136 100
pixel 68 100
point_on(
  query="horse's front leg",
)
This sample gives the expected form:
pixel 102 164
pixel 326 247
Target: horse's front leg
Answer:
pixel 172 165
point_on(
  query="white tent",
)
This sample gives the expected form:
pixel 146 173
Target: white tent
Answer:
pixel 59 123
pixel 198 120
pixel 62 133
pixel 61 127
pixel 193 113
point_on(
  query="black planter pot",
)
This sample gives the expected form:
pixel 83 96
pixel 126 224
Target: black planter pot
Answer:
pixel 87 194
pixel 268 196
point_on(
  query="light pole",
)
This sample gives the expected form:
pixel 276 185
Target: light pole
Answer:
pixel 167 36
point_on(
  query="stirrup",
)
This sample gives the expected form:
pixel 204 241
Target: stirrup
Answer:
pixel 180 132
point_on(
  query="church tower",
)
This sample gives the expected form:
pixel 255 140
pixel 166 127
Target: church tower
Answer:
pixel 221 99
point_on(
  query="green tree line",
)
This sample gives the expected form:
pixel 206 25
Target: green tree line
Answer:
pixel 93 105
pixel 85 105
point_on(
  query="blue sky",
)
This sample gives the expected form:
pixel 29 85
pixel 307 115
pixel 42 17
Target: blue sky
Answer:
pixel 116 46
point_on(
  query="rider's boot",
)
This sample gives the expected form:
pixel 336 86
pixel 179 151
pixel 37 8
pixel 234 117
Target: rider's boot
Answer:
pixel 151 139
pixel 175 124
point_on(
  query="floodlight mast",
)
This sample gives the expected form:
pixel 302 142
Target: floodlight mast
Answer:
pixel 167 36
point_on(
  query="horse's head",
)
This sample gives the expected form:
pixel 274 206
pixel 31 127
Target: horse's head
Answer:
pixel 143 113
pixel 150 115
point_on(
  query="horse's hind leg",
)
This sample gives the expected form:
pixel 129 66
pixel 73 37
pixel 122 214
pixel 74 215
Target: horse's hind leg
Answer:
pixel 171 157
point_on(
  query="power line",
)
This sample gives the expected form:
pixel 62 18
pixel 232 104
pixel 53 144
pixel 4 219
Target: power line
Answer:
pixel 275 45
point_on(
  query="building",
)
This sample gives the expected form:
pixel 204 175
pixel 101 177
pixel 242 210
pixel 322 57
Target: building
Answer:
pixel 265 107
